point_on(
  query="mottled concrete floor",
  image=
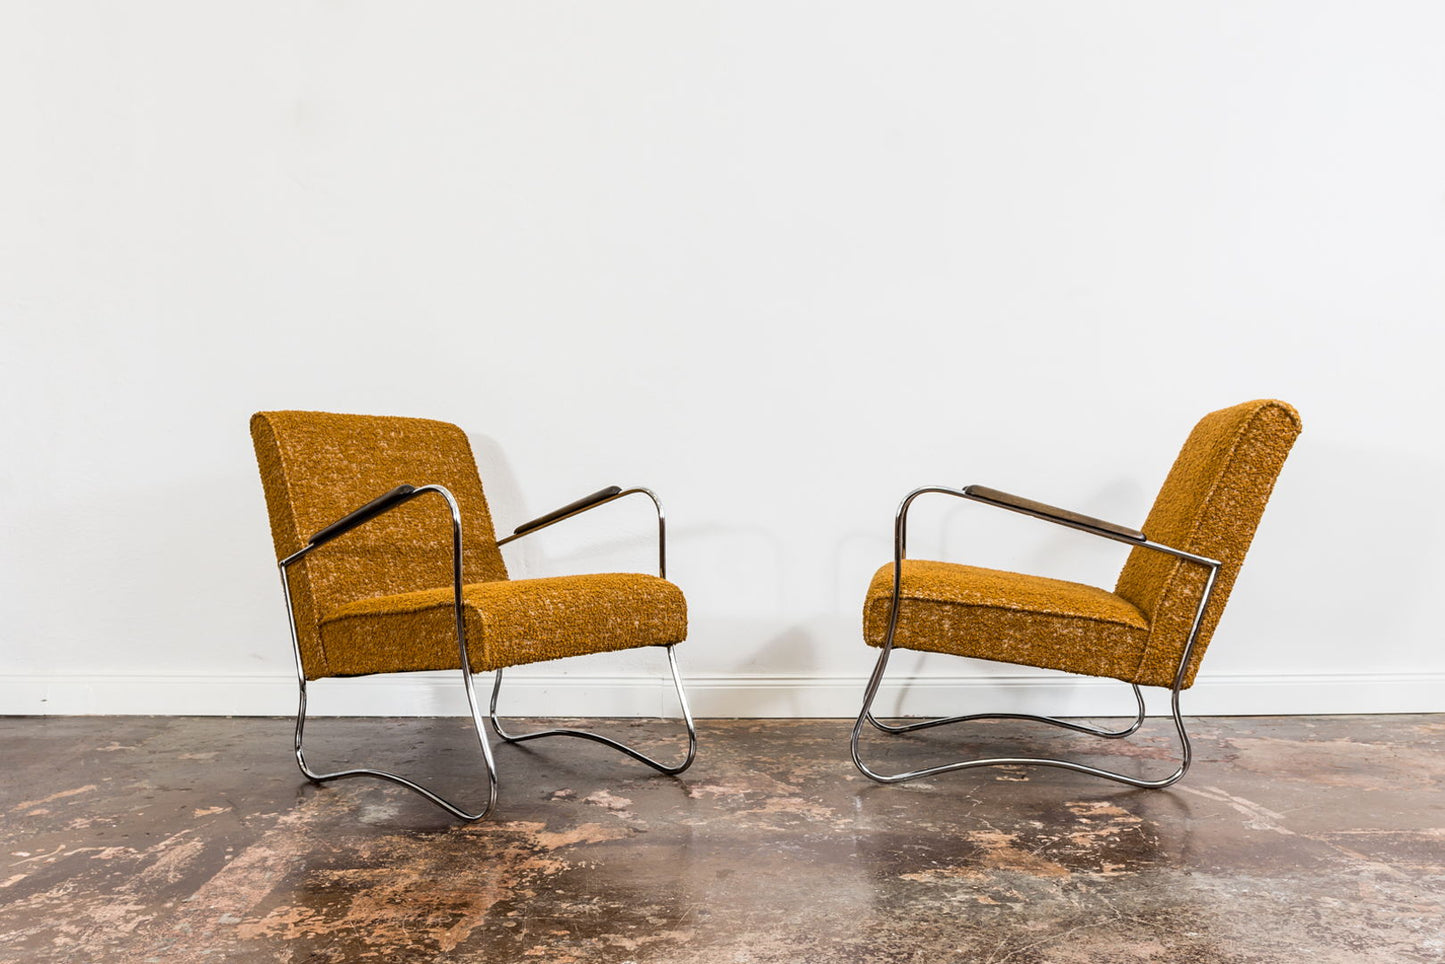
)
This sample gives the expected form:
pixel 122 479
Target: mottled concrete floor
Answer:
pixel 178 840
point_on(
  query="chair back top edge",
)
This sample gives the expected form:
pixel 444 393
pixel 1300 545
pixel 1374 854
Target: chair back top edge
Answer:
pixel 318 466
pixel 1210 504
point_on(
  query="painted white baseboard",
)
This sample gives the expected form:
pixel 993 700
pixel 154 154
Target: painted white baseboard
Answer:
pixel 440 694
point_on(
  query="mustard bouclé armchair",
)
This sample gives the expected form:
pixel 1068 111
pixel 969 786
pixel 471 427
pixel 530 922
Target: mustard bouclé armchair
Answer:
pixel 1151 630
pixel 389 563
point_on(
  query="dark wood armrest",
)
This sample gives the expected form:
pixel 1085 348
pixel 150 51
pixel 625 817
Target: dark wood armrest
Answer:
pixel 1043 510
pixel 366 513
pixel 586 502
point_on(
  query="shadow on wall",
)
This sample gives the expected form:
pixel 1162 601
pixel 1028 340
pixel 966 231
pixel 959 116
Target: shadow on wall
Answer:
pixel 621 536
pixel 1342 596
pixel 986 536
pixel 1334 584
pixel 1335 580
pixel 1339 573
pixel 179 578
pixel 499 482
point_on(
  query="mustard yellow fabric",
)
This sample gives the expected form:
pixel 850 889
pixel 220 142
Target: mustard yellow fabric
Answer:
pixel 1007 616
pixel 318 466
pixel 1210 505
pixel 508 623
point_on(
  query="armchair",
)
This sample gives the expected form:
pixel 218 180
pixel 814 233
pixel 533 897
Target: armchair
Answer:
pixel 1152 630
pixel 392 585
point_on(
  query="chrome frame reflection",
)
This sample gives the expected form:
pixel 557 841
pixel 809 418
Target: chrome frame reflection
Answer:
pixel 691 754
pixel 875 680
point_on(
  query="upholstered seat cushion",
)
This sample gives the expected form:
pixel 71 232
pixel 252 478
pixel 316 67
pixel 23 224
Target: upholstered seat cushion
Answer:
pixel 508 622
pixel 1010 617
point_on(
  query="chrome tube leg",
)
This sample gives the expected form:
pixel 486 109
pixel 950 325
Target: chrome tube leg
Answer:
pixel 875 680
pixel 440 801
pixel 478 725
pixel 667 768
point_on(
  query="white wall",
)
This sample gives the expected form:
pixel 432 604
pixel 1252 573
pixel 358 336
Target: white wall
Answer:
pixel 780 261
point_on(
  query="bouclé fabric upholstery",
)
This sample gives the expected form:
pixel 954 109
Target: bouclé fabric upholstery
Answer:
pixel 1210 505
pixel 378 599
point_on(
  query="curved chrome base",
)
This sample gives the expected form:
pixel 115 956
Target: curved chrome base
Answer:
pixel 1076 727
pixel 867 716
pixel 412 785
pixel 608 741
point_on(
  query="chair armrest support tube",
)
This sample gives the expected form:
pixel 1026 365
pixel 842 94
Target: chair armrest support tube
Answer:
pixel 600 497
pixel 582 504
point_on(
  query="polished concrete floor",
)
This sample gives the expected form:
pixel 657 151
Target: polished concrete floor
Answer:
pixel 178 840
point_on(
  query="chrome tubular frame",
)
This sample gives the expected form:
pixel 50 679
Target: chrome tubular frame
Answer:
pixel 657 765
pixel 900 529
pixel 467 680
pixel 671 657
pixel 635 490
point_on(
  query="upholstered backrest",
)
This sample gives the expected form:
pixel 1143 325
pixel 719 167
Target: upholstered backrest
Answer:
pixel 316 467
pixel 1210 505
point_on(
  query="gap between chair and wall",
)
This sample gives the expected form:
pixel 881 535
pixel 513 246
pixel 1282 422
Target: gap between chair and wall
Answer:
pixel 440 694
